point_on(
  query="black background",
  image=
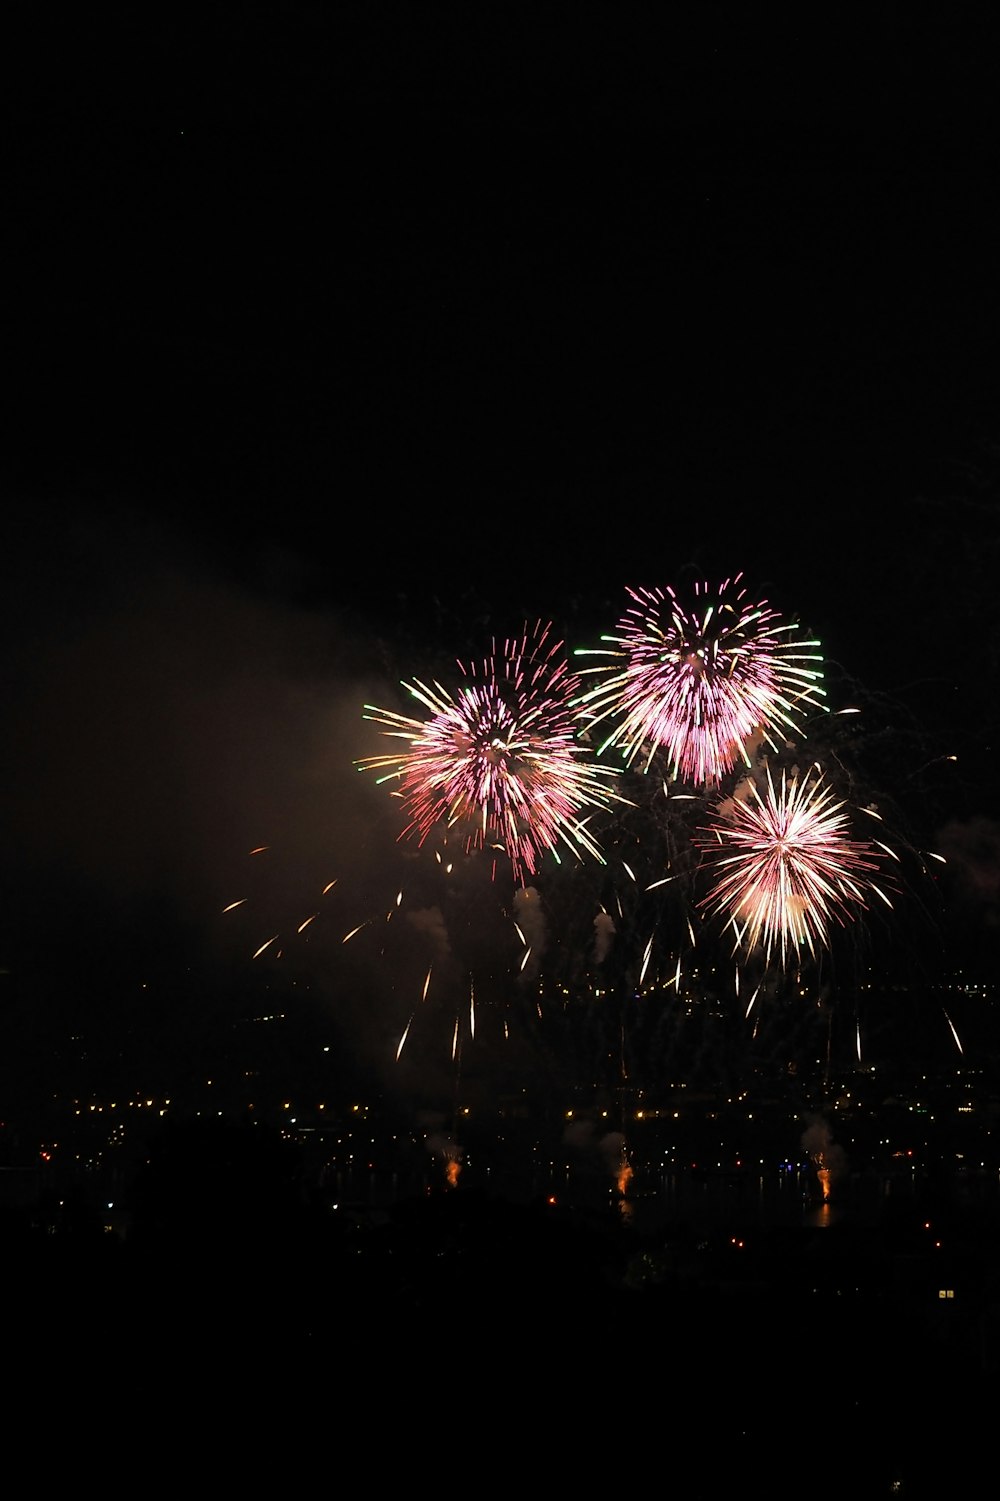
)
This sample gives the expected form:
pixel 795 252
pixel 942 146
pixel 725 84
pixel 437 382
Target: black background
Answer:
pixel 340 340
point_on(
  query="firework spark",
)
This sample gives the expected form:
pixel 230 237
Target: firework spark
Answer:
pixel 785 868
pixel 500 760
pixel 700 682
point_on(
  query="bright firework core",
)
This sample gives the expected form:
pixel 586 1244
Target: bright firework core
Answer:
pixel 499 761
pixel 699 682
pixel 784 866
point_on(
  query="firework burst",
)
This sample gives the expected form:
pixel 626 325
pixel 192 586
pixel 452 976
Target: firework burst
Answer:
pixel 785 867
pixel 500 760
pixel 698 683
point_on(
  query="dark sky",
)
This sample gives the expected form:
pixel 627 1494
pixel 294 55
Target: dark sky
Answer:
pixel 341 338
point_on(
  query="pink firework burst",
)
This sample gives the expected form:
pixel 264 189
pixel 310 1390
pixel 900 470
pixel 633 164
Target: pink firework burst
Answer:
pixel 785 869
pixel 699 682
pixel 499 760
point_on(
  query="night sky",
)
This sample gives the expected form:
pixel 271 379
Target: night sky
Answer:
pixel 342 341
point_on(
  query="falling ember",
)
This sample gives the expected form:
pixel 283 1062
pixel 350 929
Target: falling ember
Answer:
pixel 266 945
pixel 954 1034
pixel 409 1024
pixel 402 1040
pixel 233 905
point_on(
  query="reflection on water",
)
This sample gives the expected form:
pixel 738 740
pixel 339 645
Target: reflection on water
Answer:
pixel 793 1195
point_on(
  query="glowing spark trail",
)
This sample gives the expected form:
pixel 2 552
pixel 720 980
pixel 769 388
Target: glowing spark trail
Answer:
pixel 699 682
pixel 499 759
pixel 785 867
pixel 951 1024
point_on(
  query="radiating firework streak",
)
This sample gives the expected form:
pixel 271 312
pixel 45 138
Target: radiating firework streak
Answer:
pixel 500 760
pixel 785 868
pixel 699 683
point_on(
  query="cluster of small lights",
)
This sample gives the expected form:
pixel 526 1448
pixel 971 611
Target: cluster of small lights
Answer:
pixel 96 1107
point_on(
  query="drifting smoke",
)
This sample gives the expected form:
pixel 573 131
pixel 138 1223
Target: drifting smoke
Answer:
pixel 972 851
pixel 612 1148
pixel 530 920
pixel 604 1153
pixel 429 920
pixel 604 936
